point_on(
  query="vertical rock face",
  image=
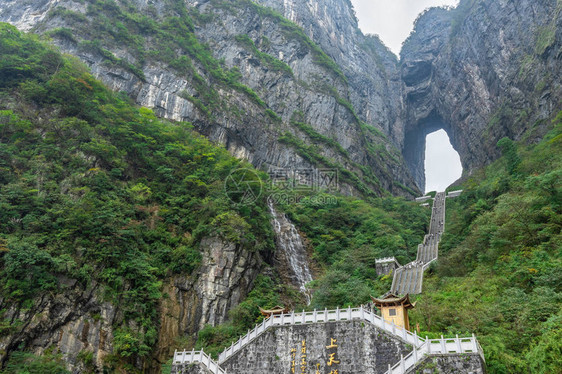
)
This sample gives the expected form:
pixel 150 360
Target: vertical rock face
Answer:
pixel 225 277
pixel 485 70
pixel 370 67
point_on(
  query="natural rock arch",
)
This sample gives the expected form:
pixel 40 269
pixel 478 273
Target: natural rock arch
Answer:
pixel 415 145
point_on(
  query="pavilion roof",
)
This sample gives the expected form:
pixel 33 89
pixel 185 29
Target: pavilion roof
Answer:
pixel 394 300
pixel 275 310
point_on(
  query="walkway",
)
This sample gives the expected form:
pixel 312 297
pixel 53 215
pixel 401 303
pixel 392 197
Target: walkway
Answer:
pixel 408 279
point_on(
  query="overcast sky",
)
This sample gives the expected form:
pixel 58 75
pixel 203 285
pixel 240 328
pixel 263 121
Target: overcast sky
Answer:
pixel 392 21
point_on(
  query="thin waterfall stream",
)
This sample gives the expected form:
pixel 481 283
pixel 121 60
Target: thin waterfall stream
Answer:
pixel 291 244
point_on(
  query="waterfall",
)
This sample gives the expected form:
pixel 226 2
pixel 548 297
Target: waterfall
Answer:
pixel 289 242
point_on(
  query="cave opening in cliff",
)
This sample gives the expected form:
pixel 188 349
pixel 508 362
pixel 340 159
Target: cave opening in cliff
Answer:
pixel 431 156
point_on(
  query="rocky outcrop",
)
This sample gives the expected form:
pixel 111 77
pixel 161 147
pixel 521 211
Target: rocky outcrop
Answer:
pixel 225 277
pixel 485 70
pixel 75 321
pixel 80 325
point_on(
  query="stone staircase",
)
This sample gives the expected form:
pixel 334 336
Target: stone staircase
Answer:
pixel 408 279
pixel 190 357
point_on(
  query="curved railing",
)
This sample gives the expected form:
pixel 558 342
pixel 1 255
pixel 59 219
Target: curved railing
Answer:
pixel 316 316
pixel 188 357
pixel 436 346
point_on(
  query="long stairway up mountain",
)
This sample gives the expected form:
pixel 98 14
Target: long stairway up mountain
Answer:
pixel 408 279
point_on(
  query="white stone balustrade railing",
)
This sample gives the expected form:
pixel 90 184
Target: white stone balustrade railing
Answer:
pixel 316 316
pixel 421 347
pixel 436 346
pixel 187 357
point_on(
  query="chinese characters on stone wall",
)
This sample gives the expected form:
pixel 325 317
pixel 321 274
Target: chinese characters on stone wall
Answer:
pixel 332 361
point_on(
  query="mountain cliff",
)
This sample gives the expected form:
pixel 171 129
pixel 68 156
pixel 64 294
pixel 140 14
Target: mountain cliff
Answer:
pixel 247 78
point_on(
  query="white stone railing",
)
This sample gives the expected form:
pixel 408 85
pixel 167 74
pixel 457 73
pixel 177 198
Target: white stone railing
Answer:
pixel 436 346
pixel 454 193
pixel 385 259
pixel 421 347
pixel 188 357
pixel 316 316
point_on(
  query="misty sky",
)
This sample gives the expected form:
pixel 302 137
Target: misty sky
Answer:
pixel 442 162
pixel 392 21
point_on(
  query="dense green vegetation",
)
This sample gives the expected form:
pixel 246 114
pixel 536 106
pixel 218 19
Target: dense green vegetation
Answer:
pixel 500 269
pixel 26 363
pixel 96 190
